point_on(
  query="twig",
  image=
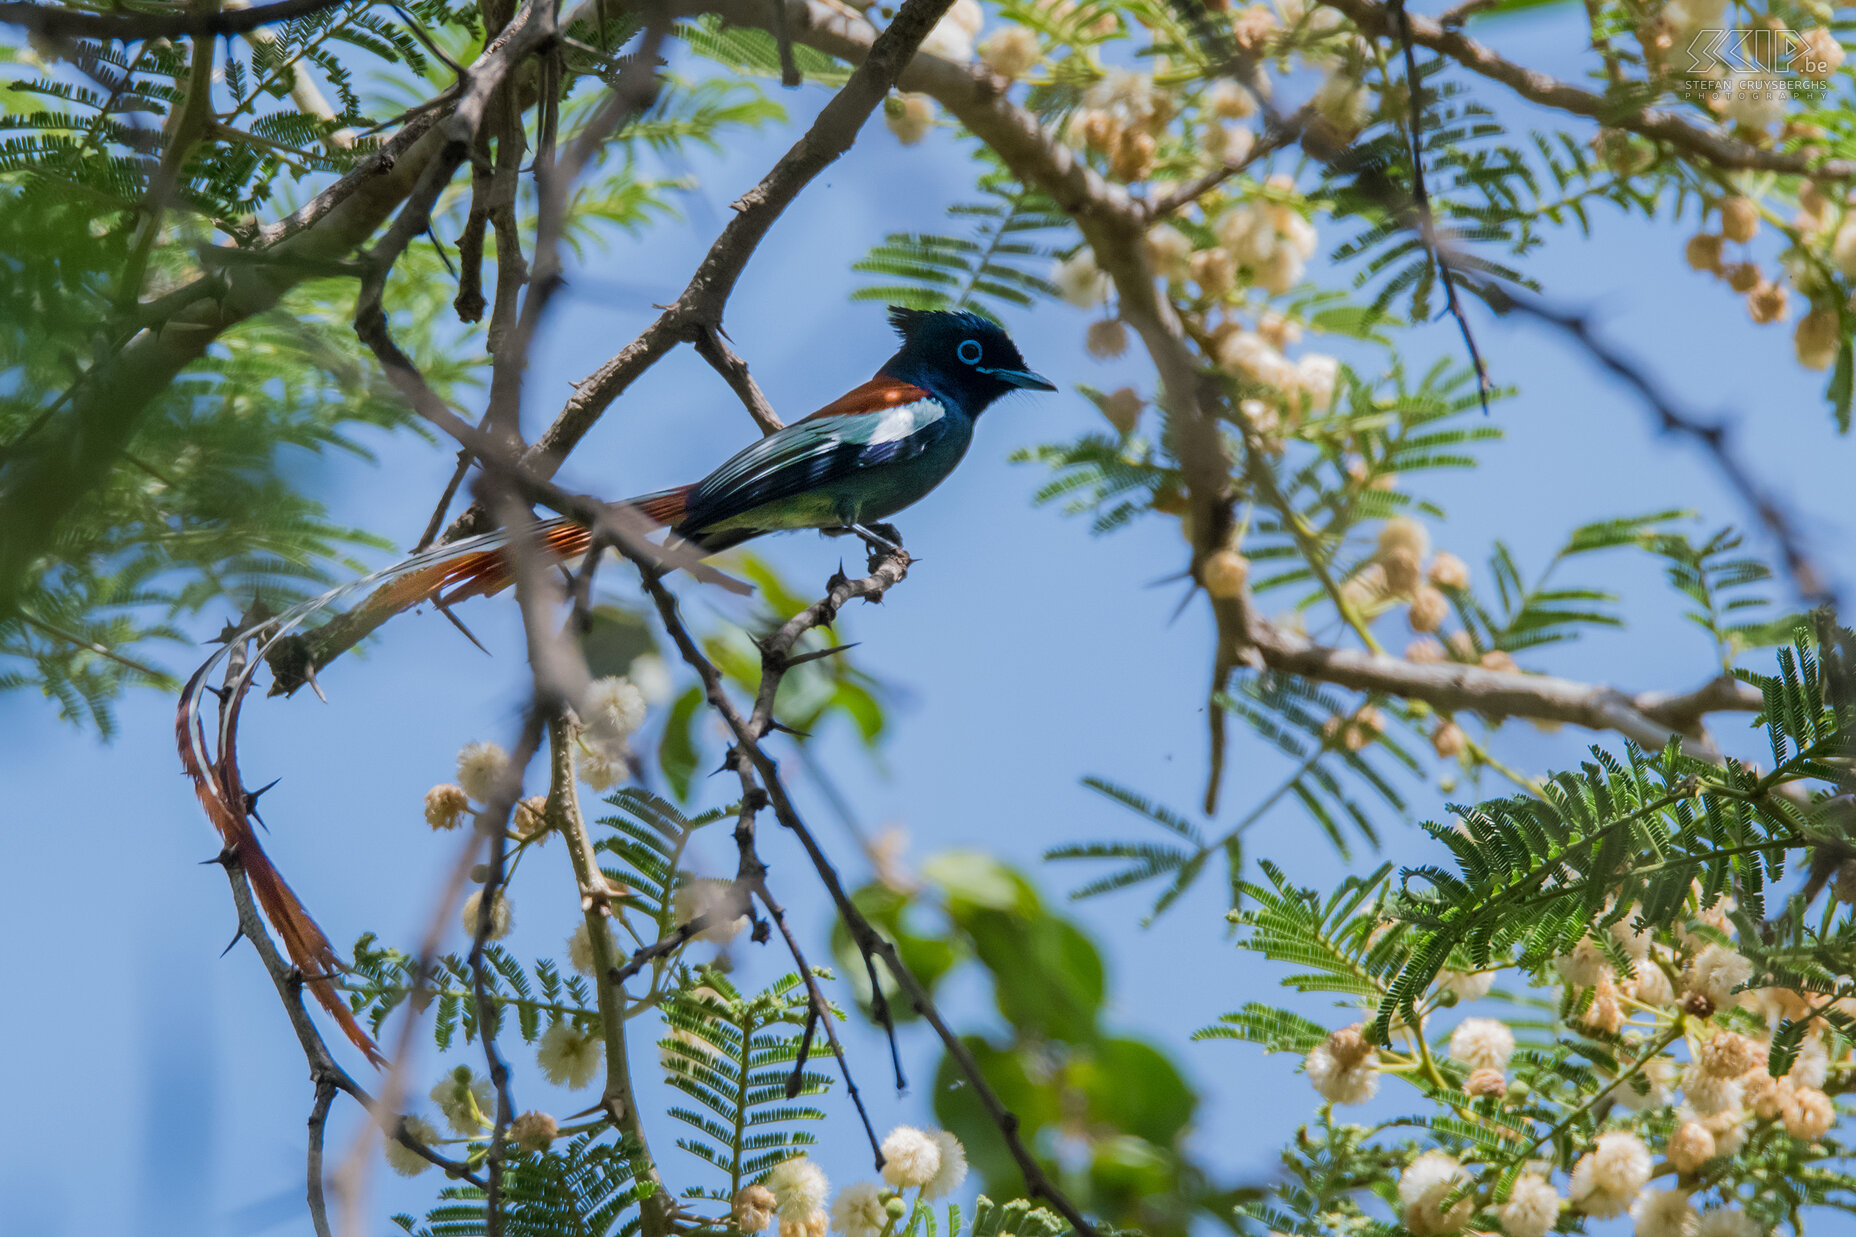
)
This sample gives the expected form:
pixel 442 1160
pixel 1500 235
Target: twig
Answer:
pixel 1375 17
pixel 1715 437
pixel 868 941
pixel 1421 199
pixel 821 1013
pixel 91 646
pixel 58 22
pixel 703 300
pixel 617 1100
pixel 712 346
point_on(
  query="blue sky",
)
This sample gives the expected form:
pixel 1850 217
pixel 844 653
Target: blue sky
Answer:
pixel 160 1090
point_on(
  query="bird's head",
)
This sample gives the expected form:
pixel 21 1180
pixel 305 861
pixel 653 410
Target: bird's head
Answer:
pixel 959 356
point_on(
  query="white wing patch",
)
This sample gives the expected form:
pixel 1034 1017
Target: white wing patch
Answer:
pixel 895 424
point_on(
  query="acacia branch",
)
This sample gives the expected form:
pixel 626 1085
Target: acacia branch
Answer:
pixel 1646 718
pixel 1377 18
pixel 1714 437
pixel 56 22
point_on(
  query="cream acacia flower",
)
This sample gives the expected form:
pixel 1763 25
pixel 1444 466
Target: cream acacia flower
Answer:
pixel 1012 51
pixel 1664 1213
pixel 651 675
pixel 1448 571
pixel 1608 1178
pixel 1709 1094
pixel 1728 1055
pixel 1482 1043
pixel 615 709
pixel 952 36
pixel 1819 54
pixel 1715 916
pixel 534 1130
pixel 1586 964
pixel 481 766
pixel 1810 1067
pixel 1728 1222
pixel 1344 102
pixel 1168 250
pixel 1248 354
pixel 858 1211
pixel 953 1170
pixel 568 1055
pixel 1691 1144
pixel 1106 339
pixel 1316 377
pixel 1716 972
pixel 1843 246
pixel 1756 100
pixel 1422 1188
pixel 1402 533
pixel 580 948
pixel 403 1159
pixel 1429 608
pixel 1344 1069
pixel 799 1188
pixel 910 1158
pixel 910 118
pixel 1532 1207
pixel 1466 985
pixel 1650 986
pixel 1809 1114
pixel 502 916
pixel 599 770
pixel 1226 99
pixel 1080 281
pixel 445 806
pixel 753 1207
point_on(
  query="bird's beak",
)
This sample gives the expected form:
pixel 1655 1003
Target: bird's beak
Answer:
pixel 1022 378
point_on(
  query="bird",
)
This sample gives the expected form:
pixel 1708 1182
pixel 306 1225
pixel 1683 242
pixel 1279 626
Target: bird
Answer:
pixel 868 454
pixel 863 457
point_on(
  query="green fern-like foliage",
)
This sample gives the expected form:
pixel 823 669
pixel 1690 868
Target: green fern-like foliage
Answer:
pixel 383 978
pixel 1665 833
pixel 586 1189
pixel 1522 615
pixel 210 500
pixel 647 838
pixel 994 266
pixel 1726 588
pixel 734 1056
pixel 1338 754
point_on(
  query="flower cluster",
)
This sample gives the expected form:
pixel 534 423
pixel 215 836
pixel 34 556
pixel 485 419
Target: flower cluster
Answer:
pixel 1692 1085
pixel 933 1163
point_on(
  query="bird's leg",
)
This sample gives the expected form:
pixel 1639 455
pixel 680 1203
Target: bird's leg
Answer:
pixel 877 541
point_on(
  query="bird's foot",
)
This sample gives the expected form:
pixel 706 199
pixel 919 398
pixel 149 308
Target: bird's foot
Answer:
pixel 884 542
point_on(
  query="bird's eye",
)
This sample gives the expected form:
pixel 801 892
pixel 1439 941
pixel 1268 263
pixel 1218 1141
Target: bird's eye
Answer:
pixel 969 351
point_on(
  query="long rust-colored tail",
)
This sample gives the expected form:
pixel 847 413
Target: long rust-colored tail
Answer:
pixel 227 805
pixel 482 566
pixel 479 573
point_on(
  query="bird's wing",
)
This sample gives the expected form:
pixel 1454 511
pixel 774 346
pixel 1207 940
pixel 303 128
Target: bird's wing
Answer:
pixel 879 393
pixel 880 422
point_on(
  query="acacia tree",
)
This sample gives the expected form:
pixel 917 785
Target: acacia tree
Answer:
pixel 217 246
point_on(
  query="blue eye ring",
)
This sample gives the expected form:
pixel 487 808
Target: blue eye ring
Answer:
pixel 969 351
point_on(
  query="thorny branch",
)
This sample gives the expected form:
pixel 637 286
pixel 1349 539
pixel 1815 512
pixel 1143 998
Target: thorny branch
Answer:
pixel 59 22
pixel 1715 437
pixel 1113 223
